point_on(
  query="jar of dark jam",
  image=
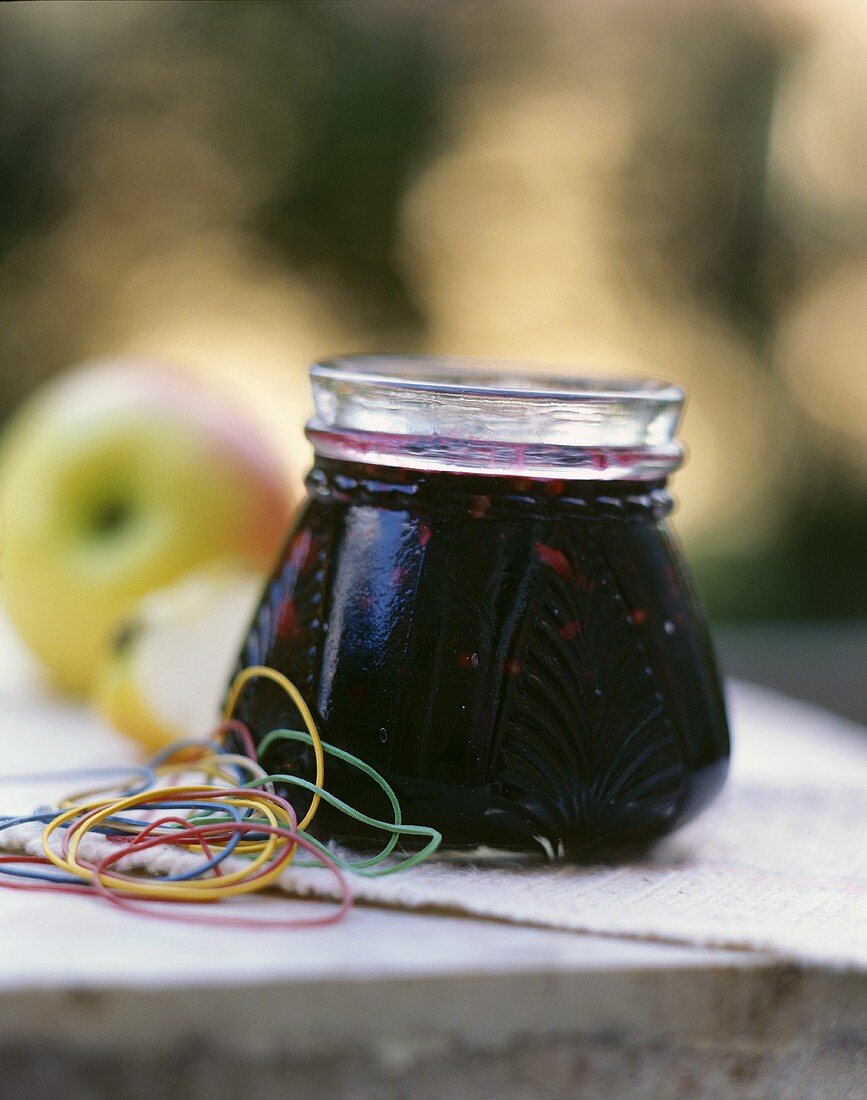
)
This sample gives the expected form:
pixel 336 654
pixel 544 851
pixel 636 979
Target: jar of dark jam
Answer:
pixel 481 598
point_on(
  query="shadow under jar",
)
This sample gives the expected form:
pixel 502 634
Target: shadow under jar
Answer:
pixel 480 598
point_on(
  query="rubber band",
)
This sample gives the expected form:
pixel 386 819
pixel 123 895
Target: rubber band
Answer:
pixel 396 828
pixel 213 861
pixel 35 880
pixel 39 876
pixel 264 672
pixel 146 773
pixel 230 884
pixel 201 800
pixel 237 922
pixel 234 725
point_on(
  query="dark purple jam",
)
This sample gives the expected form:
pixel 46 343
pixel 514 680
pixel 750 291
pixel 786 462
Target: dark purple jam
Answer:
pixel 524 661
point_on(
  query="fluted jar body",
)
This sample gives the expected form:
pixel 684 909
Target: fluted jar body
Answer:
pixel 481 597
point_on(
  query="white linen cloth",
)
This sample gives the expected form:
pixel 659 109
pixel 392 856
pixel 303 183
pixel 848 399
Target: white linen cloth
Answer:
pixel 778 864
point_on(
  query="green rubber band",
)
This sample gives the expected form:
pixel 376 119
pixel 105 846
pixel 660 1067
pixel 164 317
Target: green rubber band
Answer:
pixel 350 811
pixel 370 867
pixel 303 737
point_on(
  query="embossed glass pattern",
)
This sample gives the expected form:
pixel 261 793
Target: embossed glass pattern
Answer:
pixel 521 654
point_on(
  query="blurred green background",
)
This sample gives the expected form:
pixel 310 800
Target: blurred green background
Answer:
pixel 673 188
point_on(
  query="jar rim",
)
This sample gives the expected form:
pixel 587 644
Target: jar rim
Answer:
pixel 500 377
pixel 493 417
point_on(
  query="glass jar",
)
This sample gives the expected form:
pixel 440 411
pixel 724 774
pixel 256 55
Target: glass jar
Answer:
pixel 481 598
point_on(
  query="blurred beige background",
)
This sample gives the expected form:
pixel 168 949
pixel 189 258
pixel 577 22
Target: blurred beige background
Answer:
pixel 674 188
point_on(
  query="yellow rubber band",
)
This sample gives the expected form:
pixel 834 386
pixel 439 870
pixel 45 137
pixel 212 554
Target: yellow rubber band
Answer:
pixel 194 890
pixel 263 671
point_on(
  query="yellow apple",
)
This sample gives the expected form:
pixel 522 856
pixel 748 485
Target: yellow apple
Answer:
pixel 115 480
pixel 167 669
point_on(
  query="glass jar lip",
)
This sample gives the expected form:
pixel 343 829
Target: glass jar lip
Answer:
pixel 493 417
pixel 490 377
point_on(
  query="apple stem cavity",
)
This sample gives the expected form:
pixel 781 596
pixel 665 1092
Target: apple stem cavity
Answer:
pixel 110 516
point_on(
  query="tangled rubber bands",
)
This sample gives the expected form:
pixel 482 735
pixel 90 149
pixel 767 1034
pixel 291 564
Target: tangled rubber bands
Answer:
pixel 216 814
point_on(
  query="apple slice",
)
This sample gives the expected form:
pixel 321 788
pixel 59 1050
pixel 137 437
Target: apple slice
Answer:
pixel 166 672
